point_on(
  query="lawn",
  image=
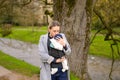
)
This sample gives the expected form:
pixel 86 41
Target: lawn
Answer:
pixel 17 65
pixel 100 47
pixel 27 34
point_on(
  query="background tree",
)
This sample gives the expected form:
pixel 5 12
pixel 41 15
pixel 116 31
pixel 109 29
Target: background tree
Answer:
pixel 108 15
pixel 17 12
pixel 75 16
pixel 25 16
pixel 7 7
pixel 6 10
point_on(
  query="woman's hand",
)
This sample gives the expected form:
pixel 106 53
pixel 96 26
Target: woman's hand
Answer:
pixel 60 60
pixel 61 41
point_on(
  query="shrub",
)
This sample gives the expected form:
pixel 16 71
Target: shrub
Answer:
pixel 6 29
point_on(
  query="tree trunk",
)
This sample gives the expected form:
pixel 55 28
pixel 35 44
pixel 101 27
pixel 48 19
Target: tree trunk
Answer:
pixel 75 20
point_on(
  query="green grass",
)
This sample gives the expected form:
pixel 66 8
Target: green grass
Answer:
pixel 73 77
pixel 17 65
pixel 27 34
pixel 29 28
pixel 99 47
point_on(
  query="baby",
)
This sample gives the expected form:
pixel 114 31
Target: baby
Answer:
pixel 56 45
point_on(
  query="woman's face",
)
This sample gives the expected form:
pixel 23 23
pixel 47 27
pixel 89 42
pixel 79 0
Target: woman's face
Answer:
pixel 54 30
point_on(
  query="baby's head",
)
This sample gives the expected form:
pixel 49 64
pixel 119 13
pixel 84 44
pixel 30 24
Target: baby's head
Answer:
pixel 58 36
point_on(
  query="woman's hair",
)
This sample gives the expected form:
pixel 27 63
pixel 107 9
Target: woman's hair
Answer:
pixel 53 24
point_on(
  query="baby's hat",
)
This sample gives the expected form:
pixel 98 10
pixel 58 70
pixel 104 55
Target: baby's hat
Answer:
pixel 57 36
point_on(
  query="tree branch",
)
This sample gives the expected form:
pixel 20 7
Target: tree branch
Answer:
pixel 96 35
pixel 26 2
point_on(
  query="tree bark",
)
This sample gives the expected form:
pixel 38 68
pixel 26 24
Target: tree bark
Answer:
pixel 75 22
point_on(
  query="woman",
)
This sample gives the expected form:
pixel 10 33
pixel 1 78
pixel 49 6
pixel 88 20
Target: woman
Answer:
pixel 50 57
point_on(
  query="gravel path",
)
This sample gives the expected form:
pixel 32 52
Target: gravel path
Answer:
pixel 21 50
pixel 98 68
pixel 6 74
